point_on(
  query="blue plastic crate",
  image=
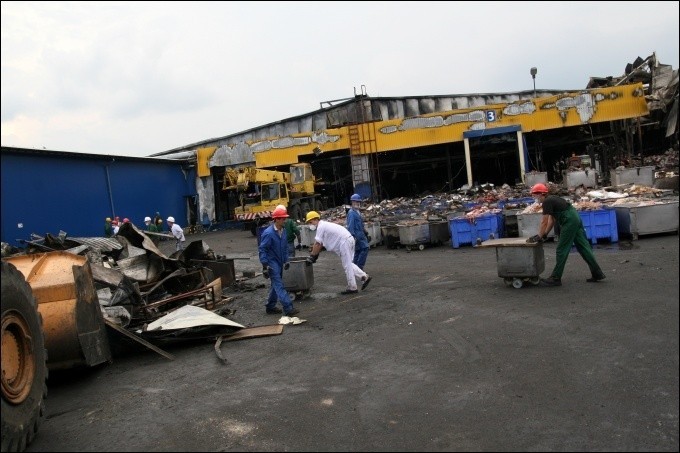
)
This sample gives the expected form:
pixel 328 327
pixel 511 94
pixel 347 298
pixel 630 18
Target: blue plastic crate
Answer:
pixel 463 231
pixel 469 205
pixel 600 224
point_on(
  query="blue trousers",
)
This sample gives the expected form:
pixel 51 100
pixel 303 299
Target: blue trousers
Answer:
pixel 360 255
pixel 277 292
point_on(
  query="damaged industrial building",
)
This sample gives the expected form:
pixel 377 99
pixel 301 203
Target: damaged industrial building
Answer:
pixel 429 169
pixel 384 148
pixel 420 163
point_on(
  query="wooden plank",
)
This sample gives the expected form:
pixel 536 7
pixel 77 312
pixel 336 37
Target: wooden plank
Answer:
pixel 507 242
pixel 254 332
pixel 248 332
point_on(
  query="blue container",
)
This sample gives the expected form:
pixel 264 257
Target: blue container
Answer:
pixel 463 231
pixel 600 224
pixel 469 205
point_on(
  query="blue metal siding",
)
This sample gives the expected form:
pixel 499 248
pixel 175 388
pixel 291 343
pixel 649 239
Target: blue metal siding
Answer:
pixel 51 193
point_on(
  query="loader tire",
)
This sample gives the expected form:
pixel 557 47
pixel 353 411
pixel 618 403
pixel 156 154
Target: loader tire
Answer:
pixel 24 368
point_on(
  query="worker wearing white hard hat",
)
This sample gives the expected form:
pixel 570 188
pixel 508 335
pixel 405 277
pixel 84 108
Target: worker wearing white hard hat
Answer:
pixel 151 228
pixel 177 232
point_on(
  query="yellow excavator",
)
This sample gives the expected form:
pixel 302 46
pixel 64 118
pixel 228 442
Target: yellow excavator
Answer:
pixel 51 320
pixel 259 191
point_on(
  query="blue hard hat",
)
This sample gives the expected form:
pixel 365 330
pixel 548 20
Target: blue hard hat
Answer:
pixel 355 197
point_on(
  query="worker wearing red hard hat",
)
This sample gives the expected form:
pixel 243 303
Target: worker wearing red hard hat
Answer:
pixel 273 253
pixel 292 232
pixel 557 209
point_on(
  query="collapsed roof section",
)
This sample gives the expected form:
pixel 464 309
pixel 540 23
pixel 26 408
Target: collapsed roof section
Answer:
pixel 661 88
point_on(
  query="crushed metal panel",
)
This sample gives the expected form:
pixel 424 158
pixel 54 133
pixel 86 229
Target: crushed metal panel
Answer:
pixel 190 316
pixel 189 323
pixel 102 244
pixel 142 268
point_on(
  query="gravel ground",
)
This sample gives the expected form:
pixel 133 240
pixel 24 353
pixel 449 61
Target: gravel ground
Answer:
pixel 437 354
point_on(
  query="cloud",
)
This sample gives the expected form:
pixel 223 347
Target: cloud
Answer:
pixel 134 78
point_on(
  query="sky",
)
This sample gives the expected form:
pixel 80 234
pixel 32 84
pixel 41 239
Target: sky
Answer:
pixel 139 78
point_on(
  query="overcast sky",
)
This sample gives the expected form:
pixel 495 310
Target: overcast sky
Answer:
pixel 138 78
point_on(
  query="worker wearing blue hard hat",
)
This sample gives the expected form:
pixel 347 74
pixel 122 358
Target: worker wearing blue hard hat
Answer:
pixel 355 225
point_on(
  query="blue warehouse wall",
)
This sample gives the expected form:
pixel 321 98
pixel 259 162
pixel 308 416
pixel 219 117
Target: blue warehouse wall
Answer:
pixel 45 192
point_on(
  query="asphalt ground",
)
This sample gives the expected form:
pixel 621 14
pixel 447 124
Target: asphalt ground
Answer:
pixel 437 354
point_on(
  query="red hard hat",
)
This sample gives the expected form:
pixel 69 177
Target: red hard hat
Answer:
pixel 539 188
pixel 279 213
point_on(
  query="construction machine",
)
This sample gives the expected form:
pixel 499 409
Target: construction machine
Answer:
pixel 259 191
pixel 50 320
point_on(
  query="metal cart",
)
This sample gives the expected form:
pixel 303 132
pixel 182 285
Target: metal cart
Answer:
pixel 518 261
pixel 299 277
pixel 414 235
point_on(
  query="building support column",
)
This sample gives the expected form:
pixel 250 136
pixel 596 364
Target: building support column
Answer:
pixel 522 153
pixel 468 161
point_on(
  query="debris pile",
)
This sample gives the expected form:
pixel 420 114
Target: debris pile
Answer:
pixel 137 285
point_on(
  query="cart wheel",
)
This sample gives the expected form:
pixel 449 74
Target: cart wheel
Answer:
pixel 517 283
pixel 421 247
pixel 408 249
pixel 507 281
pixel 299 295
pixel 535 280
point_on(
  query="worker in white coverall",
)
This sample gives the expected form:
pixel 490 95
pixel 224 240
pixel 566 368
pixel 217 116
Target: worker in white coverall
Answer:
pixel 177 232
pixel 337 239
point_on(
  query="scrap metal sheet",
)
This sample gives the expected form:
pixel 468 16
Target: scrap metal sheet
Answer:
pixel 190 316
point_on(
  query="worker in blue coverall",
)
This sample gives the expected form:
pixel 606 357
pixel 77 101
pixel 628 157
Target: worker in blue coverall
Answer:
pixel 355 225
pixel 557 209
pixel 273 251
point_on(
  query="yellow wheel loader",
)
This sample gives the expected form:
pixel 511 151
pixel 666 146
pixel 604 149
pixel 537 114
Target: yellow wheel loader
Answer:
pixel 51 320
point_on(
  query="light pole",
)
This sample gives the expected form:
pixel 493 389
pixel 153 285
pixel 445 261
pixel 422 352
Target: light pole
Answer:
pixel 533 71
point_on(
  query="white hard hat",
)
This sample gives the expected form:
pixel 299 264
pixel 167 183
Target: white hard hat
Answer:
pixel 171 219
pixel 147 219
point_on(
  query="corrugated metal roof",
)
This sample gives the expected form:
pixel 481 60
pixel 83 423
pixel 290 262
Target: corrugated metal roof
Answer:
pixel 82 156
pixel 103 244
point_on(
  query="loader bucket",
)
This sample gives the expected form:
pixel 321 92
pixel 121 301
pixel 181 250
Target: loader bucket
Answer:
pixel 62 284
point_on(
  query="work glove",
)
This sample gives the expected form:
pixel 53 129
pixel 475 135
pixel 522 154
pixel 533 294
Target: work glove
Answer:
pixel 312 258
pixel 286 266
pixel 265 271
pixel 534 239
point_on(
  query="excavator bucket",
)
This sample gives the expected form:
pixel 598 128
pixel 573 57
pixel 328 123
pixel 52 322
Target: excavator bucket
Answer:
pixel 62 284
